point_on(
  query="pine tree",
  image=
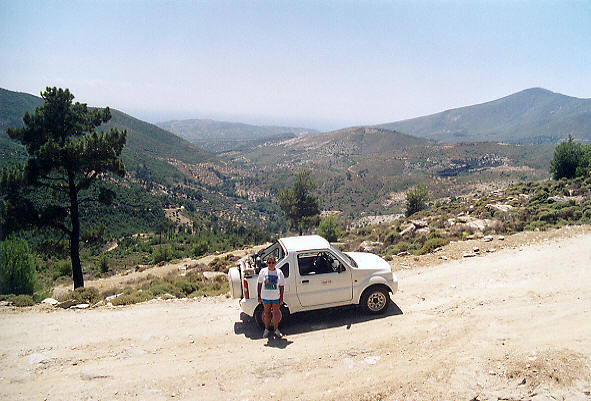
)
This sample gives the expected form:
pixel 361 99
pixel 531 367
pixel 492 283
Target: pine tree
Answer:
pixel 66 159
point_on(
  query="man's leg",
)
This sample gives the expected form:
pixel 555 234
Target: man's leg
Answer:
pixel 267 315
pixel 275 316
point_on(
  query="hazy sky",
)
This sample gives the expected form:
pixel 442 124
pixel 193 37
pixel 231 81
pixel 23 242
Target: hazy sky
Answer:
pixel 319 64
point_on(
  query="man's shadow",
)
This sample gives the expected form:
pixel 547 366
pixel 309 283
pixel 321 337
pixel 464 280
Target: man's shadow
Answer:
pixel 280 343
pixel 304 322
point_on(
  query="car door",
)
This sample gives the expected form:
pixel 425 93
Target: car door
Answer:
pixel 322 278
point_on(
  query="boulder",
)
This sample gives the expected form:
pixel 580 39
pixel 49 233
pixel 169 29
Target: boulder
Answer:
pixel 50 301
pixel 488 238
pixel 499 207
pixel 369 246
pixel 558 199
pixel 419 223
pixel 423 231
pixel 408 230
pixel 79 306
pixel 67 304
pixel 112 297
pixel 469 255
pixel 211 275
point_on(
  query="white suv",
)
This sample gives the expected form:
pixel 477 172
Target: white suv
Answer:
pixel 317 276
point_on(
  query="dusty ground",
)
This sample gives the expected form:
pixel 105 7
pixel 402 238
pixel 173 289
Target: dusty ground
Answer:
pixel 512 325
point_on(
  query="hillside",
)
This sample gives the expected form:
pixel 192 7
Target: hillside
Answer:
pixel 364 170
pixel 209 131
pixel 163 171
pixel 532 116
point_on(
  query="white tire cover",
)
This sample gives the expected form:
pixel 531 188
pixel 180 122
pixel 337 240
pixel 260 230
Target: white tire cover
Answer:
pixel 235 284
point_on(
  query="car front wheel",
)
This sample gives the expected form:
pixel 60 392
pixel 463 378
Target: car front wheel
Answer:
pixel 375 300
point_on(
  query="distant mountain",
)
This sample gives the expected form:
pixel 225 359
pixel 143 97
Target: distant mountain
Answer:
pixel 197 131
pixel 348 142
pixel 532 116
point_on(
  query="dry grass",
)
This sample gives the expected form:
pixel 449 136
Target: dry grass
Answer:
pixel 562 368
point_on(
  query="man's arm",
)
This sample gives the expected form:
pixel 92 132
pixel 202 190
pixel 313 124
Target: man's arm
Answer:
pixel 281 289
pixel 259 286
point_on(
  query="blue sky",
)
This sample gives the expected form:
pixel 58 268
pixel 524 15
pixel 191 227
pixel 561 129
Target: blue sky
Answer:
pixel 319 64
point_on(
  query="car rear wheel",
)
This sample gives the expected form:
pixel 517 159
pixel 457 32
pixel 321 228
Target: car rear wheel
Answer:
pixel 258 316
pixel 375 300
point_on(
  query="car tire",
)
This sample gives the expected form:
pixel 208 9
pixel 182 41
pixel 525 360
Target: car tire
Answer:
pixel 375 300
pixel 258 316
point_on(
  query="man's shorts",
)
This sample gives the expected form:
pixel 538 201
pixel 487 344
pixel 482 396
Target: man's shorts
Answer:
pixel 270 301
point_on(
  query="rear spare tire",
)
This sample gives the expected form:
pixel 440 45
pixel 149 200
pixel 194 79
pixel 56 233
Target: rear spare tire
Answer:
pixel 258 316
pixel 235 282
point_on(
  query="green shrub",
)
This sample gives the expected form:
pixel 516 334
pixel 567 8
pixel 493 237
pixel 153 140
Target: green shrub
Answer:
pixel 130 296
pixel 416 200
pixel 63 268
pixel 569 160
pixel 86 295
pixel 222 264
pixel 104 264
pixel 200 248
pixel 433 243
pixel 161 254
pixel 401 246
pixel 22 300
pixel 17 268
pixel 329 229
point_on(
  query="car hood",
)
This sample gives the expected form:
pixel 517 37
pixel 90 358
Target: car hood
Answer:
pixel 369 261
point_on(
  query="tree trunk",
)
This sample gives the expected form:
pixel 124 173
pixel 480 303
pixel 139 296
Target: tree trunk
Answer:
pixel 75 234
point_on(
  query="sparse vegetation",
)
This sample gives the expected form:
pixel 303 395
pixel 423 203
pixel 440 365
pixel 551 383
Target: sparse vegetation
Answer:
pixel 522 206
pixel 192 285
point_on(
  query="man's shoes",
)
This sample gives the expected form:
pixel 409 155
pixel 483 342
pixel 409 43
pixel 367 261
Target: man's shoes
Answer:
pixel 266 333
pixel 278 334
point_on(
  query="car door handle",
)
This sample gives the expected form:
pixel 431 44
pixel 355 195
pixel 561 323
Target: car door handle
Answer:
pixel 305 281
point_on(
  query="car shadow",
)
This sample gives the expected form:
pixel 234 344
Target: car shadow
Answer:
pixel 322 319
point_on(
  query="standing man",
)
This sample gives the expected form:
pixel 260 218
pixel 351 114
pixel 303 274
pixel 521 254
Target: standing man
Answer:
pixel 271 284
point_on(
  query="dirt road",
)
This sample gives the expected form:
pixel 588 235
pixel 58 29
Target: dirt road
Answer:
pixel 512 325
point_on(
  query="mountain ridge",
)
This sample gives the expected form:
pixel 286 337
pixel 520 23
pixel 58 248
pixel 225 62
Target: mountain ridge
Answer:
pixel 208 130
pixel 531 116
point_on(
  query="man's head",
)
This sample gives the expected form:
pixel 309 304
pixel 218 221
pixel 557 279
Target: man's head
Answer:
pixel 271 261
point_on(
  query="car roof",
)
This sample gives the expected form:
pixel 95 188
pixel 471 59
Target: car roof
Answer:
pixel 304 243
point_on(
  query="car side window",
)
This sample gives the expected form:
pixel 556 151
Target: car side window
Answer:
pixel 322 262
pixel 285 270
pixel 276 252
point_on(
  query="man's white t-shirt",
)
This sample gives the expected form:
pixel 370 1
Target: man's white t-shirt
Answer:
pixel 271 281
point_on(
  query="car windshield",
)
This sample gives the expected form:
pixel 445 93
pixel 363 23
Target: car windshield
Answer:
pixel 343 256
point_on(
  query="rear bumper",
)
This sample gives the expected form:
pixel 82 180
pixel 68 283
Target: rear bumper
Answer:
pixel 248 305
